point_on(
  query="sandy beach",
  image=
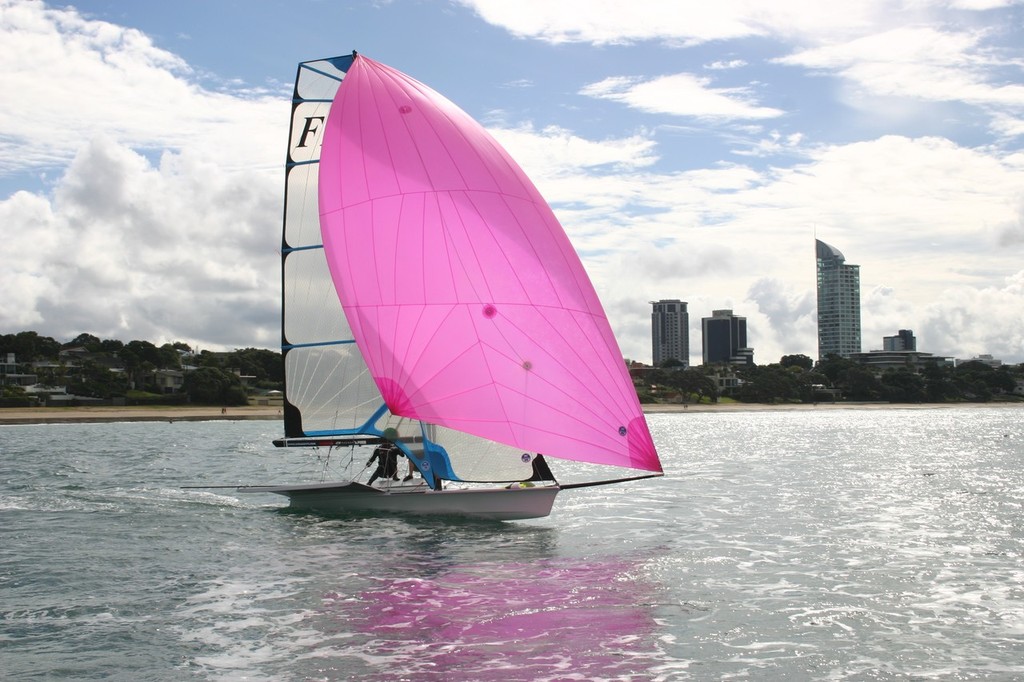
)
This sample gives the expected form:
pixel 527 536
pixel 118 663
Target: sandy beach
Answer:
pixel 65 415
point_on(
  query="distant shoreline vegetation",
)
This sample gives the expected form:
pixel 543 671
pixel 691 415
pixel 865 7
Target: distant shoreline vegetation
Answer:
pixel 87 370
pixel 798 379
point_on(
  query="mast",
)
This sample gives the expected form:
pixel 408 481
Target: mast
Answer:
pixel 304 293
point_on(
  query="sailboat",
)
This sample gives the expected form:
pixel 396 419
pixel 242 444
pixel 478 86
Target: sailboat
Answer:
pixel 431 300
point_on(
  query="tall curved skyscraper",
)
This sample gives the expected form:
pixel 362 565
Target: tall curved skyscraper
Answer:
pixel 838 302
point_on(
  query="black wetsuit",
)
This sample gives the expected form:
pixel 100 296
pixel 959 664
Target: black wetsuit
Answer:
pixel 386 455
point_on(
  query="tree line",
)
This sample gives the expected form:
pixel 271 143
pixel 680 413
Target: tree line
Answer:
pixel 213 378
pixel 798 378
pixel 110 368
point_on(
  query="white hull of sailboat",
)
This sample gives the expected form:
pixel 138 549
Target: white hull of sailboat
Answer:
pixel 502 504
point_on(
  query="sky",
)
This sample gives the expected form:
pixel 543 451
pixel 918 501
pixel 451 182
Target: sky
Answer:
pixel 692 151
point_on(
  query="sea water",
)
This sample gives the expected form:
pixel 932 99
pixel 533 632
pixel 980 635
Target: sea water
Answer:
pixel 881 544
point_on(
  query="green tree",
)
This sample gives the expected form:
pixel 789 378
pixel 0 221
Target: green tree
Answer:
pixel 808 380
pixel 111 346
pixel 137 352
pixel 12 391
pixel 692 382
pixel 1002 380
pixel 861 384
pixel 768 384
pixel 213 386
pixel 903 386
pixel 938 384
pixel 801 361
pixel 207 359
pixel 980 382
pixel 98 381
pixel 30 346
pixel 87 341
pixel 835 368
pixel 266 365
pixel 169 356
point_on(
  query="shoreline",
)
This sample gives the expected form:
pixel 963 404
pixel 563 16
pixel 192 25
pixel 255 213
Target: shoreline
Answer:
pixel 83 415
pixel 794 407
pixel 86 415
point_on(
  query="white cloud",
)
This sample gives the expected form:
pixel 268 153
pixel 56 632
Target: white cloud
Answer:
pixel 981 5
pixel 25 223
pixel 127 250
pixel 608 22
pixel 681 94
pixel 960 321
pixel 722 65
pixel 773 145
pixel 1011 233
pixel 1008 126
pixel 554 149
pixel 920 62
pixel 76 78
pixel 789 313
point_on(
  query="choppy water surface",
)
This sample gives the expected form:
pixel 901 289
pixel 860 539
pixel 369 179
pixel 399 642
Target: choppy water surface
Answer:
pixel 869 545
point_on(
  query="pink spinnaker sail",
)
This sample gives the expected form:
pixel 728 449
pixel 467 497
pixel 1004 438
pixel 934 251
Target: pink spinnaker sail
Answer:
pixel 468 302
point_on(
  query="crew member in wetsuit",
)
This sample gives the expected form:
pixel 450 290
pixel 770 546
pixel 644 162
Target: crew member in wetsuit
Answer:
pixel 386 456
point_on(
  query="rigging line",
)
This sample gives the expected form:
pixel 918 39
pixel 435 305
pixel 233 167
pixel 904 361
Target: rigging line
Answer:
pixel 566 486
pixel 316 344
pixel 218 487
pixel 302 248
pixel 322 72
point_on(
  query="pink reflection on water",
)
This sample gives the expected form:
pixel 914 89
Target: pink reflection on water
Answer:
pixel 552 620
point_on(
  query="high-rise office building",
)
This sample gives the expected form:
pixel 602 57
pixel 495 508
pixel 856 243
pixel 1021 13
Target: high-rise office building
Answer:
pixel 670 332
pixel 904 340
pixel 838 303
pixel 724 337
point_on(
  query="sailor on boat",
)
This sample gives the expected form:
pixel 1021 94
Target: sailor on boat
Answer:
pixel 386 455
